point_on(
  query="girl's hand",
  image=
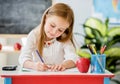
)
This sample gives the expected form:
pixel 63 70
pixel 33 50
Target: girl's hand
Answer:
pixel 57 68
pixel 40 66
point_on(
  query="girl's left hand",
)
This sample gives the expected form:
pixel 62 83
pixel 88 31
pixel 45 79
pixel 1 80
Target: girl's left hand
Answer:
pixel 57 68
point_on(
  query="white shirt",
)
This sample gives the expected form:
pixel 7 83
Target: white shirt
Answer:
pixel 55 53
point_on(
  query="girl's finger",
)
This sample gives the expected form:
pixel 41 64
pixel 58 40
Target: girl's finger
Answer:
pixel 59 68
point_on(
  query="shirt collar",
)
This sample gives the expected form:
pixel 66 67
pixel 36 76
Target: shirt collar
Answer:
pixel 48 43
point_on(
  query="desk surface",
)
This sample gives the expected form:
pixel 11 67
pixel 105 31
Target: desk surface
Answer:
pixel 70 76
pixel 73 72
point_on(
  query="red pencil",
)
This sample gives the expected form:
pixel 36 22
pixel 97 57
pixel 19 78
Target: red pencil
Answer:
pixel 102 49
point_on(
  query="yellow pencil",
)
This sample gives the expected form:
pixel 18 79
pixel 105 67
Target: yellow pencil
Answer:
pixel 93 48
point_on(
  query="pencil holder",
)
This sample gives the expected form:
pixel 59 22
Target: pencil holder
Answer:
pixel 98 63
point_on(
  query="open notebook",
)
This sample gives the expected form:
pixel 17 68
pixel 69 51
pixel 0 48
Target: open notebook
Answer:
pixel 30 70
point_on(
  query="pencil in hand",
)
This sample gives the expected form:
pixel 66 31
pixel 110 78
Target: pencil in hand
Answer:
pixel 39 56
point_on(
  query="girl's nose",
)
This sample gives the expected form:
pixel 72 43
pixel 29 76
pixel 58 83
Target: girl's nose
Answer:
pixel 54 31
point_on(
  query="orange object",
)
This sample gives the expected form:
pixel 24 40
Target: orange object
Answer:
pixel 102 49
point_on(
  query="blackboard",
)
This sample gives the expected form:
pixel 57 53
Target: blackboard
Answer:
pixel 21 16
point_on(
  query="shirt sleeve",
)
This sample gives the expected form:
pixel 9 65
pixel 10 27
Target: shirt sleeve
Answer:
pixel 30 45
pixel 70 53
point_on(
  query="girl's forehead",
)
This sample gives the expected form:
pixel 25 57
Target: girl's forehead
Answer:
pixel 58 21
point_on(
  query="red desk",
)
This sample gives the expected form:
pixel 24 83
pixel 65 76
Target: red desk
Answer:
pixel 67 77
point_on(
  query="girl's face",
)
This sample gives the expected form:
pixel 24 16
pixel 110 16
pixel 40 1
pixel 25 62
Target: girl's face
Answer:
pixel 55 26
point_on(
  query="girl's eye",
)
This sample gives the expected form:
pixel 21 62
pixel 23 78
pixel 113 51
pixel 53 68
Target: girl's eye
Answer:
pixel 52 25
pixel 60 30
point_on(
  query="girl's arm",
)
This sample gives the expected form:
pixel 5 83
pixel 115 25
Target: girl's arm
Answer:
pixel 68 64
pixel 29 64
pixel 28 48
pixel 26 53
pixel 70 55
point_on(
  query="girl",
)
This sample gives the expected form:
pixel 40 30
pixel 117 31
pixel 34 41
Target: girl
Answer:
pixel 53 40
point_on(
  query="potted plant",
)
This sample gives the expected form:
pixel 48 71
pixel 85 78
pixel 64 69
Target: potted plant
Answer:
pixel 100 33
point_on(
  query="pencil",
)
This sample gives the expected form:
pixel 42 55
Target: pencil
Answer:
pixel 93 48
pixel 89 47
pixel 39 56
pixel 102 49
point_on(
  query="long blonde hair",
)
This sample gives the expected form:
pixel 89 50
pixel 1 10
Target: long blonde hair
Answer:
pixel 64 11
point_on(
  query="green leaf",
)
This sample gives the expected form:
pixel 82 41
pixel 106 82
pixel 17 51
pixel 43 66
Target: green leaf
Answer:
pixel 114 31
pixel 97 34
pixel 95 23
pixel 107 23
pixel 83 53
pixel 89 32
pixel 113 41
pixel 105 30
pixel 92 33
pixel 113 52
pixel 88 41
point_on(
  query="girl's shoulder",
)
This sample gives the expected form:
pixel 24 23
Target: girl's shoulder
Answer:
pixel 35 31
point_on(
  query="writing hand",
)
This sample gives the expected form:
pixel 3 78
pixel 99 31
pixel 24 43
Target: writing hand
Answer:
pixel 41 66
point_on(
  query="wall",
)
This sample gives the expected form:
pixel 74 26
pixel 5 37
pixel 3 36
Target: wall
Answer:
pixel 8 56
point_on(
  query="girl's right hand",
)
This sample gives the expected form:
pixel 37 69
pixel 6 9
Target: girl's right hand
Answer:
pixel 40 66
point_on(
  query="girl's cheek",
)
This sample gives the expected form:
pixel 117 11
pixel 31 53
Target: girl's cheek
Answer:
pixel 47 28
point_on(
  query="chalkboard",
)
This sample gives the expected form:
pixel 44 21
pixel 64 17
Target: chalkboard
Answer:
pixel 21 16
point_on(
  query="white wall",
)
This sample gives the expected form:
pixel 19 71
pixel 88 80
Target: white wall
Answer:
pixel 7 55
pixel 82 10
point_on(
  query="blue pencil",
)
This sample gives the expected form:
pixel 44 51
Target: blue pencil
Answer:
pixel 39 56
